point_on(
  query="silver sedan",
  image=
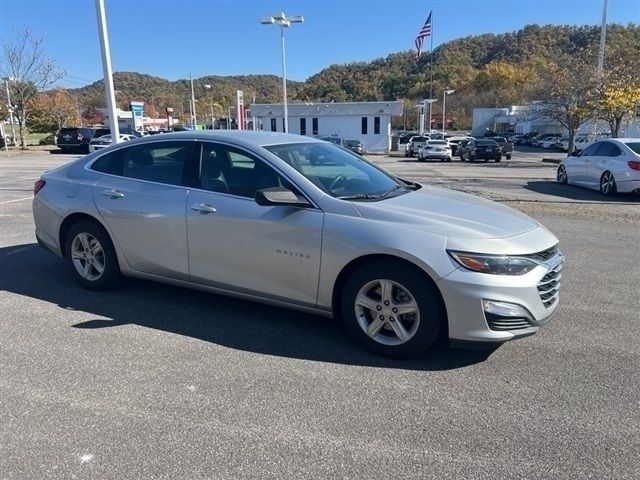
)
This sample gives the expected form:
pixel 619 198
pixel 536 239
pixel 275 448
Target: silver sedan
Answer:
pixel 610 166
pixel 293 221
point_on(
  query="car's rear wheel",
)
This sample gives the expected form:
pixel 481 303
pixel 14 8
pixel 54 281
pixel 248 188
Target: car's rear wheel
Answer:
pixel 391 309
pixel 91 256
pixel 561 176
pixel 608 184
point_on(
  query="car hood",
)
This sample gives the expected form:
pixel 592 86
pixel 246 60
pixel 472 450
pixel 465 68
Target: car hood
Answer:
pixel 447 212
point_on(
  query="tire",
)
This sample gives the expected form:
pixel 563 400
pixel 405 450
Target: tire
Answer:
pixel 86 235
pixel 508 156
pixel 561 175
pixel 448 159
pixel 498 159
pixel 608 184
pixel 406 334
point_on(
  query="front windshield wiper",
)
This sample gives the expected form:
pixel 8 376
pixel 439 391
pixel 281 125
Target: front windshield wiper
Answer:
pixel 393 189
pixel 359 196
pixel 375 196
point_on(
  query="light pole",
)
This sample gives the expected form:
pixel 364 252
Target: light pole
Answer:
pixel 208 87
pixel 444 110
pixel 106 69
pixel 284 21
pixel 430 102
pixel 10 107
pixel 194 119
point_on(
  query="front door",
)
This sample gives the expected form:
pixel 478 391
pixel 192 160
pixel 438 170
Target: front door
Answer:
pixel 234 243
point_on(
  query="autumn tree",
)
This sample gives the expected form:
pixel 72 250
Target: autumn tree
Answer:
pixel 619 93
pixel 504 83
pixel 568 91
pixel 51 111
pixel 92 116
pixel 28 71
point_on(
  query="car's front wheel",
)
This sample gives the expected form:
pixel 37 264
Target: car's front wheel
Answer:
pixel 91 256
pixel 561 176
pixel 391 309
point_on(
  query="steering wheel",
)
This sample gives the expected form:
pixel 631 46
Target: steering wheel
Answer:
pixel 338 181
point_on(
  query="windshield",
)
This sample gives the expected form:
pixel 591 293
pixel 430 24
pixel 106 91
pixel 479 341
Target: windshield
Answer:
pixel 419 139
pixel 437 142
pixel 339 172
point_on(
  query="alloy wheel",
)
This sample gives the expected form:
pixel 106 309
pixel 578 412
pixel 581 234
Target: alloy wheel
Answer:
pixel 607 183
pixel 562 174
pixel 387 312
pixel 87 256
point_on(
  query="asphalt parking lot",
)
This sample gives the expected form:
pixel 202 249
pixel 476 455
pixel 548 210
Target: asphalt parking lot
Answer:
pixel 154 381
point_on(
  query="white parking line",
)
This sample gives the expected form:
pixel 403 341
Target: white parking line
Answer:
pixel 3 182
pixel 16 200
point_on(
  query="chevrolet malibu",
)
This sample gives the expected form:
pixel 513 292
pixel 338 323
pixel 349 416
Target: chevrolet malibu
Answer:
pixel 301 223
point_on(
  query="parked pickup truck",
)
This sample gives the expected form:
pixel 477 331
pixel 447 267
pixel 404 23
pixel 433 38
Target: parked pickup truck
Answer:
pixel 506 146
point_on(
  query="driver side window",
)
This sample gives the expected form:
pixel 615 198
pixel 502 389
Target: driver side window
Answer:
pixel 226 169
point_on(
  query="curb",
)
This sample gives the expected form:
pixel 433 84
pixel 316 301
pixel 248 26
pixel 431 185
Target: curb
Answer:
pixel 551 160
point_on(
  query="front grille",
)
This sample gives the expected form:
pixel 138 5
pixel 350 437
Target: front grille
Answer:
pixel 544 255
pixel 549 287
pixel 500 323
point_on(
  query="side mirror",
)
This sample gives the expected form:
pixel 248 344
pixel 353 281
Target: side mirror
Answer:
pixel 280 196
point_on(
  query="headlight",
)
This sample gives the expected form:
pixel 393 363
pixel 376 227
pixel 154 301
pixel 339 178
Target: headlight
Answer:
pixel 494 264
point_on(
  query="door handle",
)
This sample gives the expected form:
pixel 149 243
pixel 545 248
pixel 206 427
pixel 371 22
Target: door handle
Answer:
pixel 113 193
pixel 203 208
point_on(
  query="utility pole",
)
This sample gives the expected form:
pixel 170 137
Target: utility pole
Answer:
pixel 603 39
pixel 106 68
pixel 194 119
pixel 10 106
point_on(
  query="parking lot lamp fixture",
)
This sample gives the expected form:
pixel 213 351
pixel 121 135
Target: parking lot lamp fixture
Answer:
pixel 444 109
pixel 284 21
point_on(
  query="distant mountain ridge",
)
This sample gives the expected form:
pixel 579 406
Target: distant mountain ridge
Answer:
pixel 458 64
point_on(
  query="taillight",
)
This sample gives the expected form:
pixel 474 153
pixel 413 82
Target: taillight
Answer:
pixel 38 186
pixel 634 165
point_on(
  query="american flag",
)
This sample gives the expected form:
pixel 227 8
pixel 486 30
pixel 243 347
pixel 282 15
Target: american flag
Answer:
pixel 425 31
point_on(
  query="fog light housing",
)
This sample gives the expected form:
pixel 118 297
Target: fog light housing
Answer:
pixel 503 316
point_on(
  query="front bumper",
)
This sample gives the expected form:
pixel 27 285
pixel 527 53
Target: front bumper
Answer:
pixel 466 294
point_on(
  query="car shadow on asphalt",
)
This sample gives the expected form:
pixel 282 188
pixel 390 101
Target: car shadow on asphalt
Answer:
pixel 31 271
pixel 579 194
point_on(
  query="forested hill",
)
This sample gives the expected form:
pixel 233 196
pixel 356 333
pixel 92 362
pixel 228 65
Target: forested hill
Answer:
pixel 485 70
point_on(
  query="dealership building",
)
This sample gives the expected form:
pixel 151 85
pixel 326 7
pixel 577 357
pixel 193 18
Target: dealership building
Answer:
pixel 369 122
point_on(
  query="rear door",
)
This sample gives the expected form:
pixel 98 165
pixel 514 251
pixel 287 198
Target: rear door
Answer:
pixel 142 198
pixel 236 244
pixel 604 160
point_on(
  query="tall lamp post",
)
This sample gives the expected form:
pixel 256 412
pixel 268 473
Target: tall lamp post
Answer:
pixel 430 102
pixel 444 110
pixel 284 21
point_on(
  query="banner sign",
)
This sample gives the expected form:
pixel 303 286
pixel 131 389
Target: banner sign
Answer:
pixel 240 109
pixel 137 109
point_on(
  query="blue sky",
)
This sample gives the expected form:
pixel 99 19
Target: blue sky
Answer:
pixel 172 38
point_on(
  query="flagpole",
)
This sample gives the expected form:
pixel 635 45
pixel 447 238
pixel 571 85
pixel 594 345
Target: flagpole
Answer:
pixel 431 74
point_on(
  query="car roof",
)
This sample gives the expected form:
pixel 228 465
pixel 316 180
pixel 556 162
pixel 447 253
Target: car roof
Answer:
pixel 246 138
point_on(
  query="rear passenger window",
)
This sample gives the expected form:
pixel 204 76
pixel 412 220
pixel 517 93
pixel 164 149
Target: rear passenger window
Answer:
pixel 110 163
pixel 608 149
pixel 163 162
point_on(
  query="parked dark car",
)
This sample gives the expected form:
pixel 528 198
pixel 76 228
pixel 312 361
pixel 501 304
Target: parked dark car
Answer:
pixel 333 139
pixel 75 139
pixel 355 146
pixel 462 145
pixel 481 149
pixel 505 145
pixel 527 138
